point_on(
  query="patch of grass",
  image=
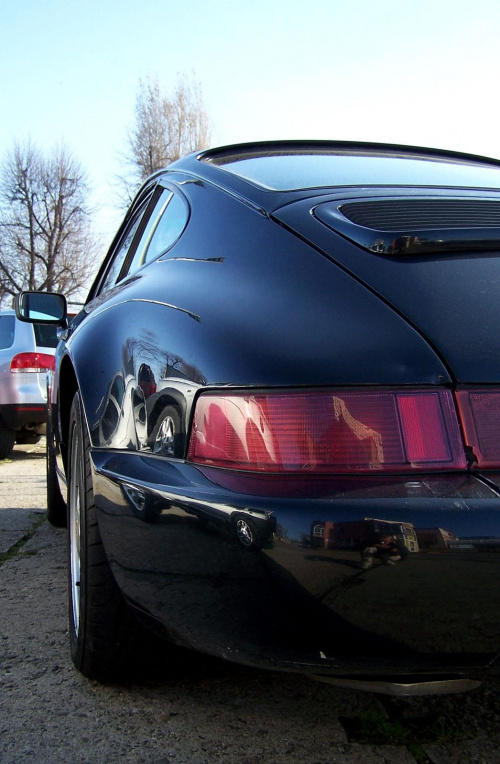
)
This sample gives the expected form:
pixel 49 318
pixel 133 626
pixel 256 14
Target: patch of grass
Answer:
pixel 418 753
pixel 444 730
pixel 375 727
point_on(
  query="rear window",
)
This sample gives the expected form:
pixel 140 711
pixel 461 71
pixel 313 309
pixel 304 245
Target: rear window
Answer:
pixel 6 331
pixel 289 170
pixel 45 335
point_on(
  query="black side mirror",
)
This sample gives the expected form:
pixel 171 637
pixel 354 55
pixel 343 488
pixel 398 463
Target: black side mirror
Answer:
pixel 42 308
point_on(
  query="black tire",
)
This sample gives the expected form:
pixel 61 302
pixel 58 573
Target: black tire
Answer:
pixel 57 514
pixel 102 629
pixel 7 440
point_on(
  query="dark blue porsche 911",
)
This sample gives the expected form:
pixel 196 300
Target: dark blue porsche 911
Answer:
pixel 274 428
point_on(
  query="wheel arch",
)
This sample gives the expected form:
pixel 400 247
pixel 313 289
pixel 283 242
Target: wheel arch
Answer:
pixel 68 385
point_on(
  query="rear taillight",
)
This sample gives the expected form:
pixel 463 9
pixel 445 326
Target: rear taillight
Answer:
pixel 37 362
pixel 328 432
pixel 480 412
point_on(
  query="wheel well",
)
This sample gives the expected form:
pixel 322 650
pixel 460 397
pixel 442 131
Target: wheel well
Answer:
pixel 67 389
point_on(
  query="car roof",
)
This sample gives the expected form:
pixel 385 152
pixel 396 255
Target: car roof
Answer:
pixel 259 148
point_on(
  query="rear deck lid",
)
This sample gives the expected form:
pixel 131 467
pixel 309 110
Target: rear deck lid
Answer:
pixel 432 255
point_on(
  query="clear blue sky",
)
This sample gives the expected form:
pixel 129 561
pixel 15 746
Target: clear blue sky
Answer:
pixel 402 71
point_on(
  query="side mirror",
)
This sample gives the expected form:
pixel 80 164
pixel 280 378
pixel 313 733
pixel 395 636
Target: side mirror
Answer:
pixel 41 307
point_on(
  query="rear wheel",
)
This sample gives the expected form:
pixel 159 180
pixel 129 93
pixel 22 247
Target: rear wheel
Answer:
pixel 102 629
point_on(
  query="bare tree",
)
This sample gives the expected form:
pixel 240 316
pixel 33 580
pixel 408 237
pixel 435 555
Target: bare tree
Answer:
pixel 45 238
pixel 166 128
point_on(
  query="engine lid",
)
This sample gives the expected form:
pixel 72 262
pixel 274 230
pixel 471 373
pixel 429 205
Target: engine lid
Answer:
pixel 435 258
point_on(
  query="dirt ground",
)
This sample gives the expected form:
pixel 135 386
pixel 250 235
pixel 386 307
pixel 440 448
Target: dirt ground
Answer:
pixel 205 712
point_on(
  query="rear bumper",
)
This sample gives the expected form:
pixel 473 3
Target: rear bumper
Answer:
pixel 299 599
pixel 19 415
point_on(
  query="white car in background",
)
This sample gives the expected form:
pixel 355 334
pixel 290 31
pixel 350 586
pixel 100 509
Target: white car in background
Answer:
pixel 26 354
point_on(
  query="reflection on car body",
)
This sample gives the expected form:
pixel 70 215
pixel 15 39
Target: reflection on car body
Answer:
pixel 277 417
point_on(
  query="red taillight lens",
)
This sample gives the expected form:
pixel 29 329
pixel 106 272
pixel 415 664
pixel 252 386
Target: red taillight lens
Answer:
pixel 328 432
pixel 480 412
pixel 32 362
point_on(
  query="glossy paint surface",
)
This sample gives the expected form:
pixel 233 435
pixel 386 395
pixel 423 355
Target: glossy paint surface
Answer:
pixel 289 571
pixel 299 597
pixel 452 298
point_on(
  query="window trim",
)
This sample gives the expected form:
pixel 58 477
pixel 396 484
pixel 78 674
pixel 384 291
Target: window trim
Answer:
pixel 146 214
pixel 98 287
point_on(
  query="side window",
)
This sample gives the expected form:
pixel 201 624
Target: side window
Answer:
pixel 6 331
pixel 164 227
pixel 119 256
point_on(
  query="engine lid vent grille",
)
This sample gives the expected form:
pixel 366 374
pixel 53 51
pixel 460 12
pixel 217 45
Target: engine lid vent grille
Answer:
pixel 416 225
pixel 419 214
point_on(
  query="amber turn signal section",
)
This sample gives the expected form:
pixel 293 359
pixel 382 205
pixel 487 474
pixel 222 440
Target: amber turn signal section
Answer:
pixel 332 431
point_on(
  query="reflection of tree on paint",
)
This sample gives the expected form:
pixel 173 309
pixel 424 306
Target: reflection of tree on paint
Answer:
pixel 146 351
pixel 360 431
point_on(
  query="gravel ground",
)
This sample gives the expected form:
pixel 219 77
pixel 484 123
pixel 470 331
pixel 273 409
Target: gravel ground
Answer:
pixel 208 711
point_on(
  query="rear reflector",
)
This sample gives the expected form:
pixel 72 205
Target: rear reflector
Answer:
pixel 37 362
pixel 480 412
pixel 328 432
